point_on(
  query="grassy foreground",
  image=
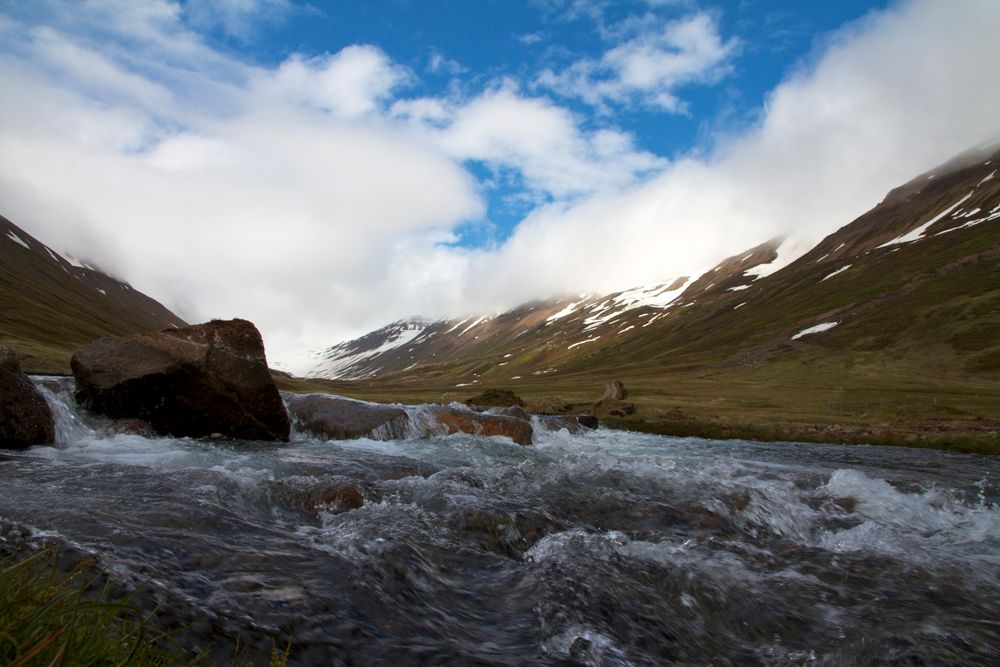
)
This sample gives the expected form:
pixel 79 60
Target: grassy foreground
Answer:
pixel 55 618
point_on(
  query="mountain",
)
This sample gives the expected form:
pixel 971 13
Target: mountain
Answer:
pixel 892 322
pixel 546 332
pixel 50 306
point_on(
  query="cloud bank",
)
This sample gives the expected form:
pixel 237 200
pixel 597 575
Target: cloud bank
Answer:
pixel 318 198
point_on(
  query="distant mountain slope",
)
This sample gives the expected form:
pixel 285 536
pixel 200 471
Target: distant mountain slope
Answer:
pixel 915 278
pixel 49 305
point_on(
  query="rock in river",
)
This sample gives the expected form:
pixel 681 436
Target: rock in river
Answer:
pixel 338 418
pixel 194 381
pixel 452 419
pixel 25 417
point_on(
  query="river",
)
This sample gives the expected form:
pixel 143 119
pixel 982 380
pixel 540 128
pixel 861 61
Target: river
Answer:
pixel 607 548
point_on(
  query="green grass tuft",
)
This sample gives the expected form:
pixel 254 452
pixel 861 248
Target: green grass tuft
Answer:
pixel 52 618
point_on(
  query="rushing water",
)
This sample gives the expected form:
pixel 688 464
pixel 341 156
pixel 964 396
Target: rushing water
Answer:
pixel 609 548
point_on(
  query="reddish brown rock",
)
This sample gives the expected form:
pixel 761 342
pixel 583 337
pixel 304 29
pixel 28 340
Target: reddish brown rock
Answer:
pixel 25 417
pixel 458 420
pixel 193 381
pixel 338 418
pixel 336 500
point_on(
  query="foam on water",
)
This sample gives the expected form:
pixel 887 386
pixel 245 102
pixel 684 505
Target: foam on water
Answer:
pixel 605 547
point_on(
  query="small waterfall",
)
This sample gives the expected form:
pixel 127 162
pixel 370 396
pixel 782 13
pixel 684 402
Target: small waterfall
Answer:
pixel 71 424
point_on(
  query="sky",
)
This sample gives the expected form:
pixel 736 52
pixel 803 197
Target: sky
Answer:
pixel 324 168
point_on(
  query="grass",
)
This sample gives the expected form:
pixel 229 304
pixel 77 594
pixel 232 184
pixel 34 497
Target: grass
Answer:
pixel 55 618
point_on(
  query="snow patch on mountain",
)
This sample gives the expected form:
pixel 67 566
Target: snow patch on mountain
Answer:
pixel 915 234
pixel 343 362
pixel 838 271
pixel 18 240
pixel 790 250
pixel 819 328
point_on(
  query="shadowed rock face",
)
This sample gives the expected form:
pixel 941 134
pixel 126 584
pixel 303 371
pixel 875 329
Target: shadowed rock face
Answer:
pixel 25 417
pixel 195 381
pixel 336 418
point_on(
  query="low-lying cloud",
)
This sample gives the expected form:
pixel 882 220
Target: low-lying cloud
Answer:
pixel 318 199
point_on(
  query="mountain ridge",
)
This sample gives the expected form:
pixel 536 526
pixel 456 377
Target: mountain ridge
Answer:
pixel 929 204
pixel 51 305
pixel 885 331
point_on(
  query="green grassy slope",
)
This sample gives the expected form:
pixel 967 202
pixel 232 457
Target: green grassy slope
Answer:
pixel 914 358
pixel 49 307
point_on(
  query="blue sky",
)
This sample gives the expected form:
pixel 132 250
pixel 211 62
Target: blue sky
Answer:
pixel 465 46
pixel 324 168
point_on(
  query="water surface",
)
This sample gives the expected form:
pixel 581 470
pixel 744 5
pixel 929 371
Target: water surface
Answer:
pixel 609 548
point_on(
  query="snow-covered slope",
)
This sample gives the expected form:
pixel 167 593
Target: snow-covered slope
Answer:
pixel 928 247
pixel 559 325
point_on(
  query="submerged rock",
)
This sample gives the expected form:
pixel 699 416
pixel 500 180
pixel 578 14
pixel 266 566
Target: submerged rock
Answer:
pixel 338 418
pixel 459 420
pixel 336 500
pixel 194 381
pixel 25 417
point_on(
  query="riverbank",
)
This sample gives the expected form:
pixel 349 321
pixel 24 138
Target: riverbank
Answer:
pixel 828 404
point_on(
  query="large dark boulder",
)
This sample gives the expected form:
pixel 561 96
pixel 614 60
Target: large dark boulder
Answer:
pixel 195 381
pixel 25 417
pixel 337 418
pixel 449 419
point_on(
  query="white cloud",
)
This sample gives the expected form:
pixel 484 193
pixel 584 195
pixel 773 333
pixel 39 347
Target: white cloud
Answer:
pixel 439 64
pixel 351 83
pixel 315 200
pixel 890 96
pixel 237 18
pixel 651 65
pixel 543 142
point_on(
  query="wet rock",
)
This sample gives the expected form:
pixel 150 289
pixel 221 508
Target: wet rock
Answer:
pixel 336 500
pixel 133 427
pixel 457 420
pixel 338 418
pixel 847 503
pixel 516 412
pixel 193 381
pixel 25 417
pixel 496 398
pixel 511 534
pixel 575 425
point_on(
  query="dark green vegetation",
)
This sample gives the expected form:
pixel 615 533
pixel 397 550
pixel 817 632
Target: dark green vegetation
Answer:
pixel 53 618
pixel 914 358
pixel 49 308
pixel 55 614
